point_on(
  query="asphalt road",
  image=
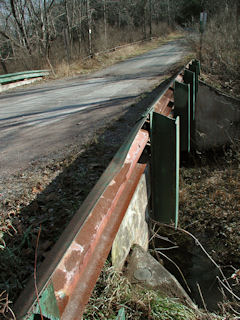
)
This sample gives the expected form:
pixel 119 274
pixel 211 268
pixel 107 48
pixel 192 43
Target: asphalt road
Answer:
pixel 41 120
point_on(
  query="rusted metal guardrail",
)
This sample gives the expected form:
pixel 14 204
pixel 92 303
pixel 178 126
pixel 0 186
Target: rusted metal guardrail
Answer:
pixel 68 275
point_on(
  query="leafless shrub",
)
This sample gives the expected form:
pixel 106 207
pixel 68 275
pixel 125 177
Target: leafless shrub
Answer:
pixel 221 46
pixel 220 49
pixel 5 310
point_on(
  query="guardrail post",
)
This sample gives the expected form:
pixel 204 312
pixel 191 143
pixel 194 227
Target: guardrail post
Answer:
pixel 195 67
pixel 182 109
pixel 189 78
pixel 121 314
pixel 165 167
pixel 47 306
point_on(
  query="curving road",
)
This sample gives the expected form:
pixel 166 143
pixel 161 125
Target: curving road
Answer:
pixel 38 121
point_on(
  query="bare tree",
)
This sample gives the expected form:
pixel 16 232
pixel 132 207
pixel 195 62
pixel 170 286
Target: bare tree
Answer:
pixel 89 16
pixel 105 21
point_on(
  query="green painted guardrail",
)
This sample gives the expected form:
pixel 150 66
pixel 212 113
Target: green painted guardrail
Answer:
pixel 169 137
pixel 18 76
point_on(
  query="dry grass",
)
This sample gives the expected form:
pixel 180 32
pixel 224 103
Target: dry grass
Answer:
pixel 220 51
pixel 5 310
pixel 113 291
pixel 105 59
pixel 210 206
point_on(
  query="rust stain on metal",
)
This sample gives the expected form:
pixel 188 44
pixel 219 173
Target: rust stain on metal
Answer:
pixel 72 269
pixel 162 106
pixel 165 103
pixel 179 78
pixel 71 261
pixel 89 275
pixel 60 280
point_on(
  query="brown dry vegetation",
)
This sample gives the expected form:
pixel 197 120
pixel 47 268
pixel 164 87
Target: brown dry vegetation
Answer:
pixel 210 206
pixel 220 54
pixel 121 43
pixel 107 58
pixel 113 291
pixel 210 181
pixel 210 202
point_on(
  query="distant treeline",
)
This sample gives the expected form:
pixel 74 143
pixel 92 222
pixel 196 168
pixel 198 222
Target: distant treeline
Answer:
pixel 36 32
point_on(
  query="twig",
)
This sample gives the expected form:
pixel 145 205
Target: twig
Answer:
pixel 177 268
pixel 5 306
pixel 164 239
pixel 156 251
pixel 35 272
pixel 201 295
pixel 229 306
pixel 229 290
pixel 14 317
pixel 51 67
pixel 156 235
pixel 203 249
pixel 165 249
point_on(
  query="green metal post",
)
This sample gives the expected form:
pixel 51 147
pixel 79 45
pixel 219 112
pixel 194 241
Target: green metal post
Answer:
pixel 195 67
pixel 121 314
pixel 189 78
pixel 165 167
pixel 182 109
pixel 47 306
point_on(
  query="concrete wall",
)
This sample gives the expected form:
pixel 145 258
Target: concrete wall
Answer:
pixel 5 87
pixel 134 228
pixel 217 118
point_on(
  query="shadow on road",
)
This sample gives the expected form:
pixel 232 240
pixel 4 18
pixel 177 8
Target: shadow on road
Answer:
pixel 55 205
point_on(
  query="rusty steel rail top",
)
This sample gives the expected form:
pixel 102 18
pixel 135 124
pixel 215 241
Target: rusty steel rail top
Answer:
pixel 68 275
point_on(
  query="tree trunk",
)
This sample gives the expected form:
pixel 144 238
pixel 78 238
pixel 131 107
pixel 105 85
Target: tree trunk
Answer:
pixel 169 16
pixel 20 26
pixel 89 15
pixel 145 21
pixel 4 67
pixel 67 45
pixel 150 18
pixel 238 16
pixel 67 33
pixel 105 22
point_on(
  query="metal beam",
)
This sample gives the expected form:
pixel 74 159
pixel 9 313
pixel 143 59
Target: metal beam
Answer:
pixel 78 257
pixel 195 67
pixel 69 274
pixel 24 76
pixel 189 78
pixel 165 167
pixel 182 110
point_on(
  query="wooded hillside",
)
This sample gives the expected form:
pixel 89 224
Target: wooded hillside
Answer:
pixel 40 33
